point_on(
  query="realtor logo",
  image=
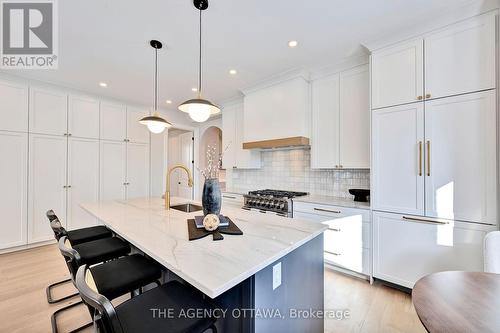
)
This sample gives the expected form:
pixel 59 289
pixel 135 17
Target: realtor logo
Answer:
pixel 29 34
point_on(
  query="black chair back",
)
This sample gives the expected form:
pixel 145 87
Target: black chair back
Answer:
pixel 56 225
pixel 104 314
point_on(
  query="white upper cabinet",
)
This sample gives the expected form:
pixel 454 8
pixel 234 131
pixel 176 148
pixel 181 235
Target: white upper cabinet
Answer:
pixel 232 137
pixel 137 170
pixel 83 117
pixel 136 132
pixel 113 122
pixel 278 111
pixel 83 180
pixel 461 58
pixel 325 123
pixel 48 111
pixel 13 177
pixel 461 153
pixel 455 60
pixel 13 106
pixel 354 129
pixel 112 170
pixel 398 159
pixel 398 74
pixel 47 184
pixel 340 136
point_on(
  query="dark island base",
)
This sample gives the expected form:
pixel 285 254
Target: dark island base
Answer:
pixel 252 304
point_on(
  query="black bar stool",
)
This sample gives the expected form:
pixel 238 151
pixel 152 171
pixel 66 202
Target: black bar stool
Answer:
pixel 112 278
pixel 76 237
pixel 135 315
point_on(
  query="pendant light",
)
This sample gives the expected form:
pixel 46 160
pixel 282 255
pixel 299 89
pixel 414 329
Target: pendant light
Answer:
pixel 199 109
pixel 155 123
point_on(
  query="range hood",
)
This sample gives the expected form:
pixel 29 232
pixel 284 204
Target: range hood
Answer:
pixel 296 141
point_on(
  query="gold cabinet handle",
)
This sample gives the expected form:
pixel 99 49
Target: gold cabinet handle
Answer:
pixel 327 210
pixel 420 158
pixel 420 98
pixel 335 254
pixel 334 229
pixel 428 158
pixel 228 197
pixel 427 95
pixel 424 220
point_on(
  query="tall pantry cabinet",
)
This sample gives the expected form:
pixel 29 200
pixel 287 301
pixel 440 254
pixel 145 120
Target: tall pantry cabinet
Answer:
pixel 434 151
pixel 51 143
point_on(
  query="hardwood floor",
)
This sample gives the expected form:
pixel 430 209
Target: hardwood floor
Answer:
pixel 25 275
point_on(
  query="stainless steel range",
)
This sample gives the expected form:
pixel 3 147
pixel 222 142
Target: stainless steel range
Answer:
pixel 271 201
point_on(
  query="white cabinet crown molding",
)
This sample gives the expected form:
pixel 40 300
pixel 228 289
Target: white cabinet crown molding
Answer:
pixel 488 7
pixel 277 79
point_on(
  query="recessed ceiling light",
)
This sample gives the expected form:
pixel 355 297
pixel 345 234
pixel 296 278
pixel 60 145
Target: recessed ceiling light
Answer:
pixel 233 72
pixel 103 84
pixel 194 89
pixel 169 101
pixel 293 43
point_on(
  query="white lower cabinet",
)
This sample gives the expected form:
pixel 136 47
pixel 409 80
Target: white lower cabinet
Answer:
pixel 347 241
pixel 13 177
pixel 405 250
pixel 83 181
pixel 47 184
pixel 113 170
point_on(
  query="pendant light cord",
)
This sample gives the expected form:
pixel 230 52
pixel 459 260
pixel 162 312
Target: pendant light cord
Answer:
pixel 156 80
pixel 199 72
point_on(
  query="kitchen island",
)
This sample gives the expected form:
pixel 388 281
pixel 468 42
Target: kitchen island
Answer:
pixel 237 272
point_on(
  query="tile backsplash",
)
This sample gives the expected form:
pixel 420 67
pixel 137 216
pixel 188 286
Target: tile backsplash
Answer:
pixel 291 170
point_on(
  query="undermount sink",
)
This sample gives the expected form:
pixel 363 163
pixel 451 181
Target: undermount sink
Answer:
pixel 188 208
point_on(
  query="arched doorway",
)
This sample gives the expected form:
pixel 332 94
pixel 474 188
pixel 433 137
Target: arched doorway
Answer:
pixel 212 137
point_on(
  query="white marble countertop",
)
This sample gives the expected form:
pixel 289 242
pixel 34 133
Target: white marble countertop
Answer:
pixel 334 201
pixel 211 266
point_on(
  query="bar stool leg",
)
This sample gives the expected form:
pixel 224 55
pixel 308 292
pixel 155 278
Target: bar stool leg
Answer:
pixel 53 318
pixel 48 291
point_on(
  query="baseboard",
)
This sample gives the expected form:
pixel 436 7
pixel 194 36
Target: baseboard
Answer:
pixel 26 247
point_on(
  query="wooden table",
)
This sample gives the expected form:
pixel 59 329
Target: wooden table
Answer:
pixel 458 302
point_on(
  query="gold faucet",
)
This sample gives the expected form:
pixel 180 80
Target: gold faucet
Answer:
pixel 167 190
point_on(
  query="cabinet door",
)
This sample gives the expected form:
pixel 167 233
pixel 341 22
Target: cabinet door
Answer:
pixel 47 184
pixel 113 122
pixel 354 129
pixel 229 137
pixel 397 74
pixel 136 132
pixel 461 134
pixel 397 168
pixel 83 180
pixel 245 158
pixel 13 177
pixel 325 123
pixel 13 106
pixel 48 112
pixel 137 170
pixel 404 251
pixel 83 117
pixel 461 58
pixel 112 170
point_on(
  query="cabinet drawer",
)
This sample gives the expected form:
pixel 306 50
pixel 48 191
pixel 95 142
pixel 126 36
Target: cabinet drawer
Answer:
pixel 342 236
pixel 406 248
pixel 357 260
pixel 330 211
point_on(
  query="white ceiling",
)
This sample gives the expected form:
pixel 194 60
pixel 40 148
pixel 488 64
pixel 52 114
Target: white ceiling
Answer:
pixel 108 40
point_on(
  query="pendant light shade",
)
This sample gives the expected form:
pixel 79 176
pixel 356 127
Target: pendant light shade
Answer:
pixel 155 123
pixel 199 109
